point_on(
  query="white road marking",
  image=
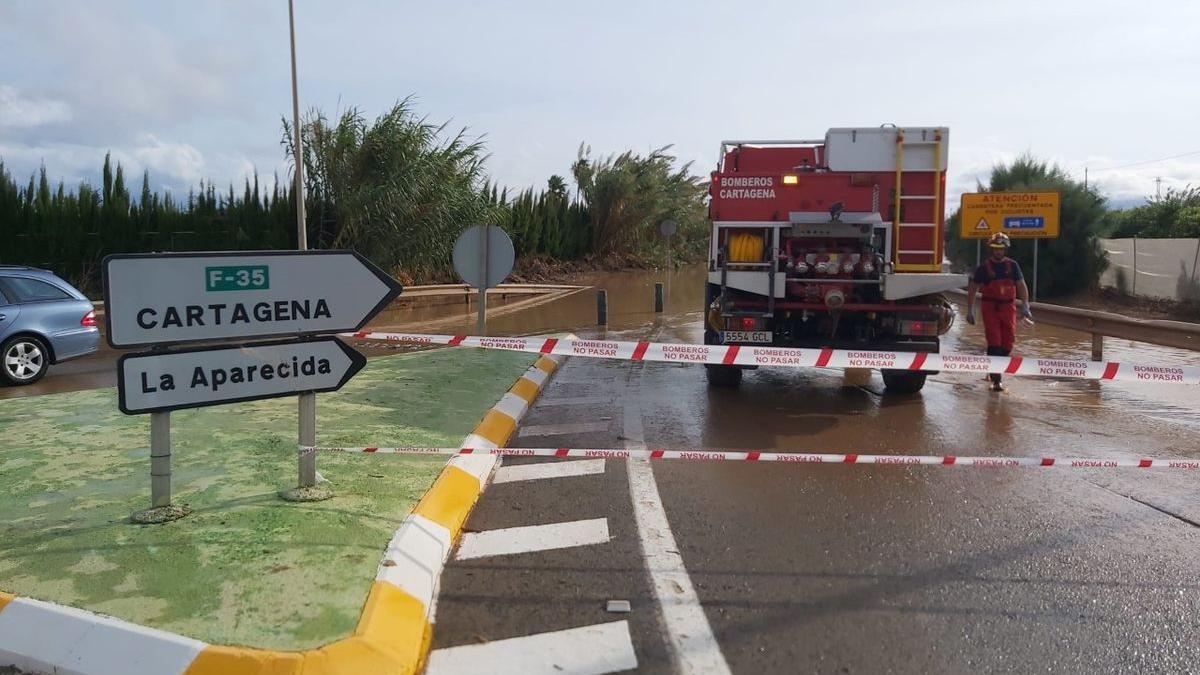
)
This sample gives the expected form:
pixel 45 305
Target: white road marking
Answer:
pixel 693 646
pixel 533 538
pixel 562 429
pixel 553 469
pixel 574 400
pixel 587 650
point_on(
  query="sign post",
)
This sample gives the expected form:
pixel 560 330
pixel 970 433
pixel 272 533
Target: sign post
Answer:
pixel 166 299
pixel 481 323
pixel 668 228
pixel 483 257
pixel 1020 215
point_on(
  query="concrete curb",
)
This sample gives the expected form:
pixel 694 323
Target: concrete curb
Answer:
pixel 393 632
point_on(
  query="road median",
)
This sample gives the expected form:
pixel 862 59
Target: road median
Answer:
pixel 291 583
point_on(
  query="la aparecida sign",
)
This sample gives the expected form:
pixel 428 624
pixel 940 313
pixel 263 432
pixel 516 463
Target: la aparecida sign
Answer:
pixel 171 298
pixel 192 378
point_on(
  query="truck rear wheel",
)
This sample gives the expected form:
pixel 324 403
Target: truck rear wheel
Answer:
pixel 723 376
pixel 903 381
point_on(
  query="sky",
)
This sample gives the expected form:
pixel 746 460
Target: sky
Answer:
pixel 196 91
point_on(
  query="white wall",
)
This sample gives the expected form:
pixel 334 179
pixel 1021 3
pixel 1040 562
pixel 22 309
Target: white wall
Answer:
pixel 1166 268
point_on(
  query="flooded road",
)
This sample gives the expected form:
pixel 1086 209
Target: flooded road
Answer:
pixel 800 568
pixel 750 568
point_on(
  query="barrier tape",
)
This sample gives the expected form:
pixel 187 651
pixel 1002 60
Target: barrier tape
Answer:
pixel 745 355
pixel 794 457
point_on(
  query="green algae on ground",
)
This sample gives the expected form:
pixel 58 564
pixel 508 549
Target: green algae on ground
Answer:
pixel 245 567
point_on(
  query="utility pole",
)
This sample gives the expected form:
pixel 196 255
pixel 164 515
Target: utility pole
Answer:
pixel 306 409
pixel 1158 187
pixel 298 151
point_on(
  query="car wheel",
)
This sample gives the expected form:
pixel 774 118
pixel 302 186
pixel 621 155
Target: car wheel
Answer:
pixel 23 360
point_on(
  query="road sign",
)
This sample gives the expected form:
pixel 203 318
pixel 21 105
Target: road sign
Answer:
pixel 165 298
pixel 668 227
pixel 1020 215
pixel 193 378
pixel 483 262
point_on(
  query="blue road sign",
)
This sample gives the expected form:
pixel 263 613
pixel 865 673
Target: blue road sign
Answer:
pixel 1024 223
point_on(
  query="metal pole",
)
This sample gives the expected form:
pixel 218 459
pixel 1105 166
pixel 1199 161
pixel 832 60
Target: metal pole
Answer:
pixel 481 324
pixel 1097 347
pixel 1195 260
pixel 306 406
pixel 1134 265
pixel 658 297
pixel 308 438
pixel 602 307
pixel 161 510
pixel 978 252
pixel 301 230
pixel 160 459
pixel 1035 269
pixel 670 267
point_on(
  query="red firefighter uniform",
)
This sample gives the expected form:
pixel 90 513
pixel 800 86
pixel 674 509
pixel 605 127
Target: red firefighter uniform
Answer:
pixel 997 280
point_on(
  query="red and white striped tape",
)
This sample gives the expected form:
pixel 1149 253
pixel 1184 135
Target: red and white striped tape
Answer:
pixel 809 358
pixel 793 457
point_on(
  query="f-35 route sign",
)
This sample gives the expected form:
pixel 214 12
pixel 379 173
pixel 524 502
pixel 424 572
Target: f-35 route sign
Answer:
pixel 160 299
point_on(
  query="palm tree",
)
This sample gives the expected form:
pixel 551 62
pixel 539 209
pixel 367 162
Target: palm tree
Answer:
pixel 393 189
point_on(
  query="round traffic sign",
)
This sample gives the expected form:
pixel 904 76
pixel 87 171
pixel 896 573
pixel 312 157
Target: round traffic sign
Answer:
pixel 483 248
pixel 668 227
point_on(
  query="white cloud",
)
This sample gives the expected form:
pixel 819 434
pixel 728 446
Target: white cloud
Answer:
pixel 178 160
pixel 20 111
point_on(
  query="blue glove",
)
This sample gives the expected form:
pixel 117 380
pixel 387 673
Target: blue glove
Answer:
pixel 1026 313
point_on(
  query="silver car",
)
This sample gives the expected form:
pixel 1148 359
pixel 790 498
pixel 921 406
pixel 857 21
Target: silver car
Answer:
pixel 43 320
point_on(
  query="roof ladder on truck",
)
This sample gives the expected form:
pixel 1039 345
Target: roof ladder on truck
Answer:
pixel 929 251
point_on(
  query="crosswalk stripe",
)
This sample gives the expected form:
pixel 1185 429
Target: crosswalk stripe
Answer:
pixel 556 469
pixel 511 540
pixel 586 650
pixel 562 429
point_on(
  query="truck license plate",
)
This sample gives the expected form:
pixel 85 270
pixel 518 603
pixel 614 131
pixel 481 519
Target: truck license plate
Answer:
pixel 761 336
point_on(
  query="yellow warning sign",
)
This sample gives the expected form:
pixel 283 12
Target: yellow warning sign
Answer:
pixel 1020 215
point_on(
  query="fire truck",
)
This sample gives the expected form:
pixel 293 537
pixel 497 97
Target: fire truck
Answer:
pixel 834 242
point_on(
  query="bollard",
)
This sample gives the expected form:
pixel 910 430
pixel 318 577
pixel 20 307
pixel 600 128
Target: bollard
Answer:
pixel 658 297
pixel 601 308
pixel 1097 347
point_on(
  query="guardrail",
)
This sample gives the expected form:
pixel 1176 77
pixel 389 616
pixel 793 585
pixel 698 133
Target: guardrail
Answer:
pixel 441 290
pixel 1179 334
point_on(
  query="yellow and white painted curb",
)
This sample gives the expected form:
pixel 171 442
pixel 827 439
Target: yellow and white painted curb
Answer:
pixel 393 632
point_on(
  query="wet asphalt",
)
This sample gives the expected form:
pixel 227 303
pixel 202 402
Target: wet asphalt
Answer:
pixel 863 569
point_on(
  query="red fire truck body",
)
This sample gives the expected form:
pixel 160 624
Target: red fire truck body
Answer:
pixel 834 242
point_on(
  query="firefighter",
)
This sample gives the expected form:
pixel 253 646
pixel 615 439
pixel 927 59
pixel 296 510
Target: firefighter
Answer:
pixel 1001 282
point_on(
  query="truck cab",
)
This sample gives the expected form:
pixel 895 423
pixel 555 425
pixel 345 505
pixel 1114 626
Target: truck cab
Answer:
pixel 834 242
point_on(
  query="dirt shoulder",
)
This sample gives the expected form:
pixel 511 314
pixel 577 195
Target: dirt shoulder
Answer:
pixel 1141 307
